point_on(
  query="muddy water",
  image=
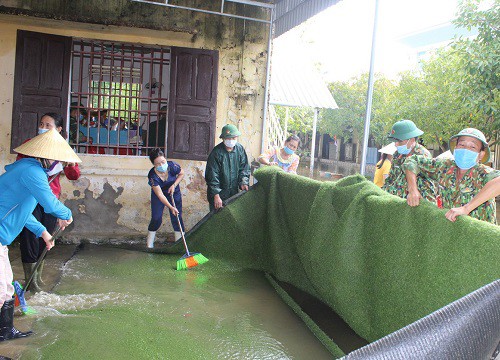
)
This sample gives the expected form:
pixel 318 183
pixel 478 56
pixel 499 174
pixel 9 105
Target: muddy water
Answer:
pixel 121 304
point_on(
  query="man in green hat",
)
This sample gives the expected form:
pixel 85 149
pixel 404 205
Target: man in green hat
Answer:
pixel 227 169
pixel 405 134
pixel 467 185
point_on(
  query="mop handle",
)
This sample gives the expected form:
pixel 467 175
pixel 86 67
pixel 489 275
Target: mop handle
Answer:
pixel 180 226
pixel 41 258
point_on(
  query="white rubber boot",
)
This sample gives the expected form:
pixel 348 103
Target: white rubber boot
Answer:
pixel 151 239
pixel 177 235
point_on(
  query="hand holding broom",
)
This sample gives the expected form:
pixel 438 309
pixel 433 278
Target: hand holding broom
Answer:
pixel 19 290
pixel 188 260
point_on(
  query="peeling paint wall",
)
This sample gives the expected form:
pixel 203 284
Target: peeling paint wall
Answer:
pixel 111 200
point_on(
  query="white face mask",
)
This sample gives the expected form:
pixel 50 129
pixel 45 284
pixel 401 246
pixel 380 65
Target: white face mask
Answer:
pixel 56 169
pixel 230 143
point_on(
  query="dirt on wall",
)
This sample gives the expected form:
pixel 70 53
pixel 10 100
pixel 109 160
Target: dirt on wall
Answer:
pixel 96 215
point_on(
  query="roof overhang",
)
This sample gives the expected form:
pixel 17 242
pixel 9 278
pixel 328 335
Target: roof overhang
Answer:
pixel 290 87
pixel 283 14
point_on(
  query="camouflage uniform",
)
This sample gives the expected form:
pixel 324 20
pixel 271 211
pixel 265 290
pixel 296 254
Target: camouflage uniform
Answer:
pixel 444 172
pixel 396 181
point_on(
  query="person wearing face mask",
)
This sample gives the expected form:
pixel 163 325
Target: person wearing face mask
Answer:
pixel 32 246
pixel 227 169
pixel 77 117
pixel 405 134
pixel 383 167
pixel 24 185
pixel 284 157
pixel 164 179
pixel 468 187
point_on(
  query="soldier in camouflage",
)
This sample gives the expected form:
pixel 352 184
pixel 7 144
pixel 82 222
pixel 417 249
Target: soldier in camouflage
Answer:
pixel 468 187
pixel 405 134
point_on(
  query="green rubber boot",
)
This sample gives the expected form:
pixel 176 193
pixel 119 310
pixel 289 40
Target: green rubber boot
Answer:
pixel 39 273
pixel 28 270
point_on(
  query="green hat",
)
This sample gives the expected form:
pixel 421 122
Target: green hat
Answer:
pixel 404 130
pixel 229 131
pixel 475 133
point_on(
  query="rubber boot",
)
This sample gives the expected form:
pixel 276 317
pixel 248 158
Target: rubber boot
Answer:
pixel 39 273
pixel 28 269
pixel 7 329
pixel 151 239
pixel 177 235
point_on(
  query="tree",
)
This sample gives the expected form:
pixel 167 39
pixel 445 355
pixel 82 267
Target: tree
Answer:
pixel 480 64
pixel 300 119
pixel 348 120
pixel 429 98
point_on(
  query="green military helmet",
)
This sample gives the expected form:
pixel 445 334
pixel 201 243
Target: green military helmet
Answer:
pixel 404 130
pixel 229 131
pixel 475 133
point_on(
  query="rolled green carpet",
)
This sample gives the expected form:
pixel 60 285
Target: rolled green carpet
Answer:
pixel 374 260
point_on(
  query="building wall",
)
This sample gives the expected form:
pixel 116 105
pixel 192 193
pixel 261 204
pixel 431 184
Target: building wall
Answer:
pixel 111 198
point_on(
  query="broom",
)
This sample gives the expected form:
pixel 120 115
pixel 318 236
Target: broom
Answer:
pixel 19 290
pixel 188 260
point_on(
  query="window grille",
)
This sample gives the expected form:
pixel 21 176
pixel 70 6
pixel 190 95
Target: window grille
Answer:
pixel 119 97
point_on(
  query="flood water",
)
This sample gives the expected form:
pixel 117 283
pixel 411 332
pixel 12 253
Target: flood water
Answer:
pixel 122 304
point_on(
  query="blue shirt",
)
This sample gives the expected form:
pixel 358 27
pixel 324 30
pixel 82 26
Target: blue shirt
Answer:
pixel 173 170
pixel 22 186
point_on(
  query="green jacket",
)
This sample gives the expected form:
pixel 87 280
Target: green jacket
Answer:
pixel 226 171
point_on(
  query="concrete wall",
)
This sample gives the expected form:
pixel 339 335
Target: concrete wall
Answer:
pixel 111 199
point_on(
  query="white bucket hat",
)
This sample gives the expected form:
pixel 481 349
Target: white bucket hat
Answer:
pixel 389 149
pixel 49 145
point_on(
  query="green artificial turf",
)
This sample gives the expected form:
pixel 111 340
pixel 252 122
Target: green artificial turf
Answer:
pixel 374 260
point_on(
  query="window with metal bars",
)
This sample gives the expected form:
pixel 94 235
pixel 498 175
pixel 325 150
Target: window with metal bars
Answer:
pixel 119 96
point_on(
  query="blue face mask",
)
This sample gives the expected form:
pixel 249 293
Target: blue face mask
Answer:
pixel 403 150
pixel 465 159
pixel 42 131
pixel 162 168
pixel 288 150
pixel 81 117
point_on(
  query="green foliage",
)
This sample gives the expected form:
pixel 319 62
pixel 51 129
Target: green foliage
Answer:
pixel 457 87
pixel 429 99
pixel 348 120
pixel 300 119
pixel 479 69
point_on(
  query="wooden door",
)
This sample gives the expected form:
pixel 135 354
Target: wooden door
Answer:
pixel 192 103
pixel 41 81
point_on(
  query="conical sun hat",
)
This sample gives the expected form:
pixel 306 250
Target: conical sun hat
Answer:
pixel 49 145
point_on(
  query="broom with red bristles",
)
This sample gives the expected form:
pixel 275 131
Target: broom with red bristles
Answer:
pixel 188 260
